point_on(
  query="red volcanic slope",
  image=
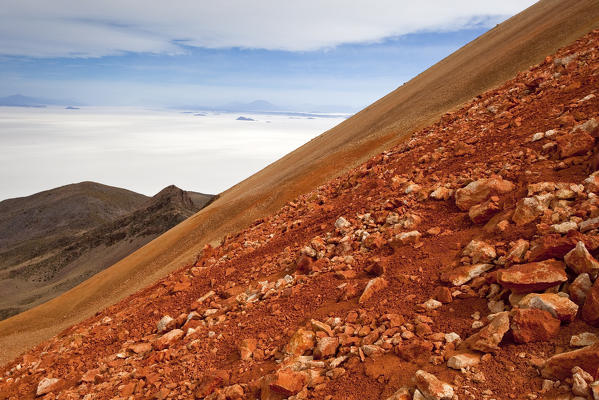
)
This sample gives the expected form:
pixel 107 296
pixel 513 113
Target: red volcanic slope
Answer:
pixel 470 246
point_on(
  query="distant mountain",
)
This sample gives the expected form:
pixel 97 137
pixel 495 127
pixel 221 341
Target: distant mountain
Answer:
pixel 256 105
pixel 242 118
pixel 53 240
pixel 19 100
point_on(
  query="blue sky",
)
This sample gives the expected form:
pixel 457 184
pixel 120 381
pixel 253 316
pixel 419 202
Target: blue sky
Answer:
pixel 203 53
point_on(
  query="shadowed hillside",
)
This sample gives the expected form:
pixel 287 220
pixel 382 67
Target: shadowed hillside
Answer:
pixel 496 56
pixel 53 240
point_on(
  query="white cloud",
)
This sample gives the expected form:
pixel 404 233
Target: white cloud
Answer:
pixel 75 28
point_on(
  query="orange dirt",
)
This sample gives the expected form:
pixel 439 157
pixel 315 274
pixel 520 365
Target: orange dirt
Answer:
pixel 292 285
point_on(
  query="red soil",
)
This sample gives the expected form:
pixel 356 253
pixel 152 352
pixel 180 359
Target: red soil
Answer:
pixel 489 136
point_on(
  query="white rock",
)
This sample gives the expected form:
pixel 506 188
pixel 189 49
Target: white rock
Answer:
pixel 452 337
pixel 432 304
pixel 164 321
pixel 564 227
pixel 342 223
pixel 464 360
pixel 46 385
pixel 583 339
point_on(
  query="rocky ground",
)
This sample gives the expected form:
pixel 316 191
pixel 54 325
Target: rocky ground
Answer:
pixel 460 264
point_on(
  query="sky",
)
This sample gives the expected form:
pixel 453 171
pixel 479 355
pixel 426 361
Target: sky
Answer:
pixel 309 55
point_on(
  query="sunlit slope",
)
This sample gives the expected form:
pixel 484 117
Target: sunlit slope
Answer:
pixel 489 60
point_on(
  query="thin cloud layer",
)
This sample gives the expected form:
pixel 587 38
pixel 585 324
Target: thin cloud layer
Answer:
pixel 69 28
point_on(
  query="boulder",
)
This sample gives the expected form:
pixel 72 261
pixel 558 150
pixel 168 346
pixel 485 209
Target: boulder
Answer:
pixel 532 277
pixel 478 191
pixel 581 261
pixel 560 365
pixel 559 307
pixel 431 387
pixel 533 325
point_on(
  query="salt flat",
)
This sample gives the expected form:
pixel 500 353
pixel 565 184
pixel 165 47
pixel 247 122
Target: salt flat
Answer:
pixel 142 150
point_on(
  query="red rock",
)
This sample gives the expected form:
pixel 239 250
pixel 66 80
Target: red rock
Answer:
pixel 574 144
pixel 208 383
pixel 304 263
pixel 518 251
pixel 590 310
pixel 551 246
pixel 559 307
pixel 431 387
pixel 488 338
pixel 478 191
pixel 414 350
pixel 128 389
pixel 532 277
pixel 483 212
pixel 581 261
pixel 529 208
pixel 443 294
pixel 590 224
pixel 373 286
pixel 168 339
pixel 479 251
pixel 441 193
pixel 326 347
pixel 465 274
pixel 401 394
pixel 287 382
pixel 560 365
pixel 247 348
pixel 375 267
pixel 141 348
pixel 300 342
pixel 375 241
pixel 533 325
pixel 579 288
pixel 91 376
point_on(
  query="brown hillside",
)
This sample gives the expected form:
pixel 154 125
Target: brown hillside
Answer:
pixel 498 55
pixel 56 239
